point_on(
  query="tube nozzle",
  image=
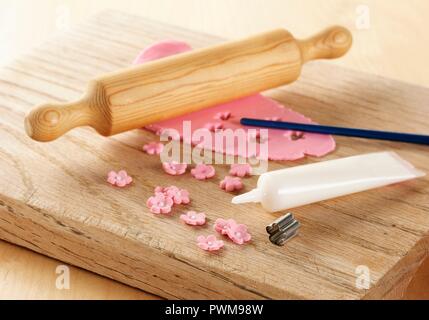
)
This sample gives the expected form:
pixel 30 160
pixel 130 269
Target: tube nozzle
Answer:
pixel 251 196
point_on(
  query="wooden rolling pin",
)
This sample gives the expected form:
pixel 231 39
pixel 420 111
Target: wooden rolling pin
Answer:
pixel 140 95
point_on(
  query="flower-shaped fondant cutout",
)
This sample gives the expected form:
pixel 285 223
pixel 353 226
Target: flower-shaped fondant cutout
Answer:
pixel 203 171
pixel 214 126
pixel 169 134
pixel 153 148
pixel 174 168
pixel 179 196
pixel 255 136
pixel 240 170
pixel 209 243
pixel 119 179
pixel 238 233
pixel 231 184
pixel 164 190
pixel 222 226
pixel 194 218
pixel 223 115
pixel 160 203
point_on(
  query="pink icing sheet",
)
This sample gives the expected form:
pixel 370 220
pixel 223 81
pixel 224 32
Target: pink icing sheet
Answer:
pixel 281 145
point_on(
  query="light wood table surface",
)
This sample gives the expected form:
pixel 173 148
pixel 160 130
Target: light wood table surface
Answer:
pixel 392 43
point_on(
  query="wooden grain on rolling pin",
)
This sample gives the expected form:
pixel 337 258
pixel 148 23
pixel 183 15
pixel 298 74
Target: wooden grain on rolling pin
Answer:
pixel 140 95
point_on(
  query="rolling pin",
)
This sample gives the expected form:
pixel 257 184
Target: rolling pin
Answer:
pixel 170 87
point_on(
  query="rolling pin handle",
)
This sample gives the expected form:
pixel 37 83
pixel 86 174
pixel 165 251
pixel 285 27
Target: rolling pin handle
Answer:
pixel 329 44
pixel 49 122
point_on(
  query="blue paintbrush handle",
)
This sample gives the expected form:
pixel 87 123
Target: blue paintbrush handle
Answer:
pixel 339 131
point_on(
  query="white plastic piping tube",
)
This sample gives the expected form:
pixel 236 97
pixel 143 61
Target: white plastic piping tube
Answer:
pixel 292 187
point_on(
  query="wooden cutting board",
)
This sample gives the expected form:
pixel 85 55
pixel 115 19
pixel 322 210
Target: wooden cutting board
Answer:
pixel 54 198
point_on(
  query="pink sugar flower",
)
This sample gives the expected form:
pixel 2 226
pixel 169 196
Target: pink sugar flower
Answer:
pixel 166 190
pixel 160 203
pixel 223 115
pixel 214 126
pixel 222 226
pixel 231 184
pixel 153 148
pixel 238 233
pixel 174 168
pixel 241 170
pixel 179 196
pixel 203 171
pixel 193 218
pixel 119 179
pixel 169 133
pixel 210 243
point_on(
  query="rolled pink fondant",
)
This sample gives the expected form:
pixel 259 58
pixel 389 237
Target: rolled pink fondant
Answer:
pixel 162 49
pixel 282 145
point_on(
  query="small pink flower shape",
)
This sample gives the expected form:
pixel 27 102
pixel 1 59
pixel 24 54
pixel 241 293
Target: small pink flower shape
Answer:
pixel 193 218
pixel 119 179
pixel 160 204
pixel 222 226
pixel 209 243
pixel 179 196
pixel 238 233
pixel 241 170
pixel 223 115
pixel 231 184
pixel 203 171
pixel 174 168
pixel 166 189
pixel 214 126
pixel 171 134
pixel 153 148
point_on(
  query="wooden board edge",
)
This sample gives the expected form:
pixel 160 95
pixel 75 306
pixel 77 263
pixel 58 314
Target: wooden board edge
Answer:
pixel 393 284
pixel 95 250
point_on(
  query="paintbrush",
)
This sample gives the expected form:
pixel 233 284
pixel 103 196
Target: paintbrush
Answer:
pixel 339 131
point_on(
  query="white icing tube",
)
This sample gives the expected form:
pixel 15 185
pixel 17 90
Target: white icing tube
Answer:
pixel 301 185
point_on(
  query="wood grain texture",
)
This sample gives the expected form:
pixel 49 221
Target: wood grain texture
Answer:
pixel 134 97
pixel 54 199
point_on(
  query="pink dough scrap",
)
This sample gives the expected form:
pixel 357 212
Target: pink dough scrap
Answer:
pixel 282 145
